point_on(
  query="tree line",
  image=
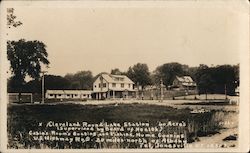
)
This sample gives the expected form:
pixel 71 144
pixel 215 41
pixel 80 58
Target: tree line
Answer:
pixel 209 79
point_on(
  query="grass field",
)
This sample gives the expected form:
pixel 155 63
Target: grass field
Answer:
pixel 22 118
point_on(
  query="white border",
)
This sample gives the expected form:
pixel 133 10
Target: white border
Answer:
pixel 242 7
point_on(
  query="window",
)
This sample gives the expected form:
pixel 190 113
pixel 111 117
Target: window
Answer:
pixel 84 95
pixel 99 85
pixel 128 85
pixel 104 85
pixel 118 78
pixel 95 86
pixel 122 85
pixel 113 85
pixel 75 94
pixel 68 95
pixel 51 95
pixel 59 95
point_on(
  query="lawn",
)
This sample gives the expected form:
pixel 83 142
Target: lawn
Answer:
pixel 23 118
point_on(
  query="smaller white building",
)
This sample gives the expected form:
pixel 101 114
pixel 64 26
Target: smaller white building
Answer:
pixel 68 94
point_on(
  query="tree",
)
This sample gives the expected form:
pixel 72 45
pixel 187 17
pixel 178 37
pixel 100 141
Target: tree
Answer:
pixel 12 85
pixel 116 71
pixel 75 85
pixel 205 84
pixel 139 73
pixel 11 19
pixel 192 72
pixel 26 58
pixel 167 73
pixel 85 78
pixel 55 82
pixel 33 86
pixel 52 82
pixel 80 80
pixel 219 79
pixel 199 72
pixel 237 74
pixel 225 78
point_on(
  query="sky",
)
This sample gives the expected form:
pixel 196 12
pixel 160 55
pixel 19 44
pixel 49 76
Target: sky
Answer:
pixel 103 38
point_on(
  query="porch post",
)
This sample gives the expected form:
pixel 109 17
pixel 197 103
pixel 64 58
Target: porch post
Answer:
pixel 100 95
pixel 108 94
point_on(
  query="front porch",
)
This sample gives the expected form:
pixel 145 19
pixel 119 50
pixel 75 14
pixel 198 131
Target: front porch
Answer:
pixel 112 94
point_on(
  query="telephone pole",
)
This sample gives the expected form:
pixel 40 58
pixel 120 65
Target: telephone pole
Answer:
pixel 43 72
pixel 161 87
pixel 225 91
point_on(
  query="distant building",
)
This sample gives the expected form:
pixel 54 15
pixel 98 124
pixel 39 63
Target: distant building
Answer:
pixel 113 86
pixel 184 83
pixel 151 87
pixel 68 94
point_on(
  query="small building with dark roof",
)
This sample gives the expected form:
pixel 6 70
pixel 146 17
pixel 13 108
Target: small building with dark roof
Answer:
pixel 184 83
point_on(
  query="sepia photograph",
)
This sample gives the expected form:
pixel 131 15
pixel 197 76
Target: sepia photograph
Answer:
pixel 126 76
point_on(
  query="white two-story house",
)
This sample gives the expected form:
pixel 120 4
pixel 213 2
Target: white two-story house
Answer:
pixel 108 86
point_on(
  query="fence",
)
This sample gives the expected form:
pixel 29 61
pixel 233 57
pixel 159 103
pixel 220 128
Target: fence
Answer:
pixel 167 94
pixel 20 97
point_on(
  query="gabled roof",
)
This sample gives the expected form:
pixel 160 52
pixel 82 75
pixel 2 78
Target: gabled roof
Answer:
pixel 55 91
pixel 110 78
pixel 69 91
pixel 186 79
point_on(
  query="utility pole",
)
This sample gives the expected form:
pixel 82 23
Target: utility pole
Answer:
pixel 161 87
pixel 225 91
pixel 43 72
pixel 137 92
pixel 101 86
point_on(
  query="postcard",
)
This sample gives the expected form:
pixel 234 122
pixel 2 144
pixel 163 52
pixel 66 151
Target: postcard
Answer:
pixel 124 76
